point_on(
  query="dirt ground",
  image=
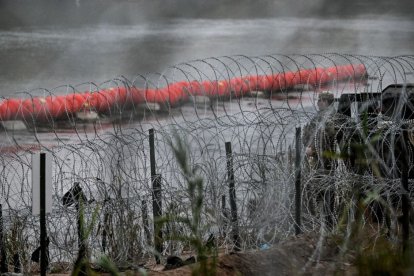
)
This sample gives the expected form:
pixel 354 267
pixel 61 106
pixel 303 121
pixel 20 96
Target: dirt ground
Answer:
pixel 297 255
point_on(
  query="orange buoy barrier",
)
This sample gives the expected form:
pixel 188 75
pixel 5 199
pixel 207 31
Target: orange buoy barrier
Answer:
pixel 103 101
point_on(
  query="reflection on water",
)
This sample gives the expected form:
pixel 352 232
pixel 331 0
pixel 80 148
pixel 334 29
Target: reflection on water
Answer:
pixel 48 57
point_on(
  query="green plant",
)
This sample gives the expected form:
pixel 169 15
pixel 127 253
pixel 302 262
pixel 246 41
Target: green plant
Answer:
pixel 371 251
pixel 82 265
pixel 367 245
pixel 205 265
pixel 108 266
pixel 15 243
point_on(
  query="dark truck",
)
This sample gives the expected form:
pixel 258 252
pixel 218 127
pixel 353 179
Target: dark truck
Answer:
pixel 394 102
pixel 374 131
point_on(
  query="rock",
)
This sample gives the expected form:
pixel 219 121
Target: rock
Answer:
pixel 173 262
pixel 176 262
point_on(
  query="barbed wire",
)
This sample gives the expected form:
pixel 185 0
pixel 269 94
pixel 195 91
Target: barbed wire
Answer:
pixel 97 135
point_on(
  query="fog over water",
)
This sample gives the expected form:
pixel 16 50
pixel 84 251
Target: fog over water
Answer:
pixel 97 41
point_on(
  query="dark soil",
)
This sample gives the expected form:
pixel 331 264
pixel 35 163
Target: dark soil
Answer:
pixel 298 255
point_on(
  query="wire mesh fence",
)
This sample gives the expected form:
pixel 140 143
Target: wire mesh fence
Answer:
pixel 98 136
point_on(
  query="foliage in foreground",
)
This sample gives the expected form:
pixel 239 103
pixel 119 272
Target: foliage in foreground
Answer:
pixel 373 250
pixel 206 255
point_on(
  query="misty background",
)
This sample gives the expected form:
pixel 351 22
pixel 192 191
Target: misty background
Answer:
pixel 47 43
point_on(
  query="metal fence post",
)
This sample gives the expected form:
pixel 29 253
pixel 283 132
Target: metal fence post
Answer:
pixel 156 197
pixel 3 256
pixel 298 200
pixel 232 197
pixel 405 202
pixel 43 234
pixel 105 231
pixel 144 210
pixel 224 214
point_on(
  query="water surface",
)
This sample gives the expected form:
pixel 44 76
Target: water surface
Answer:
pixel 47 57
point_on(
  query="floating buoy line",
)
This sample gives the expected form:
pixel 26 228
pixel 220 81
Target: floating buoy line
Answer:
pixel 89 106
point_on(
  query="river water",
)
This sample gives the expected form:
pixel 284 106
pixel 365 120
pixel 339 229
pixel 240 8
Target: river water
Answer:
pixel 46 57
pixel 51 56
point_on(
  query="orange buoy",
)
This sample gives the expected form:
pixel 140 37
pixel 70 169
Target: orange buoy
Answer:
pixel 105 100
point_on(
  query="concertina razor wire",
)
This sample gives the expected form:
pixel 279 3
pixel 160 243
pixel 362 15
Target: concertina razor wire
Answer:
pixel 97 135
